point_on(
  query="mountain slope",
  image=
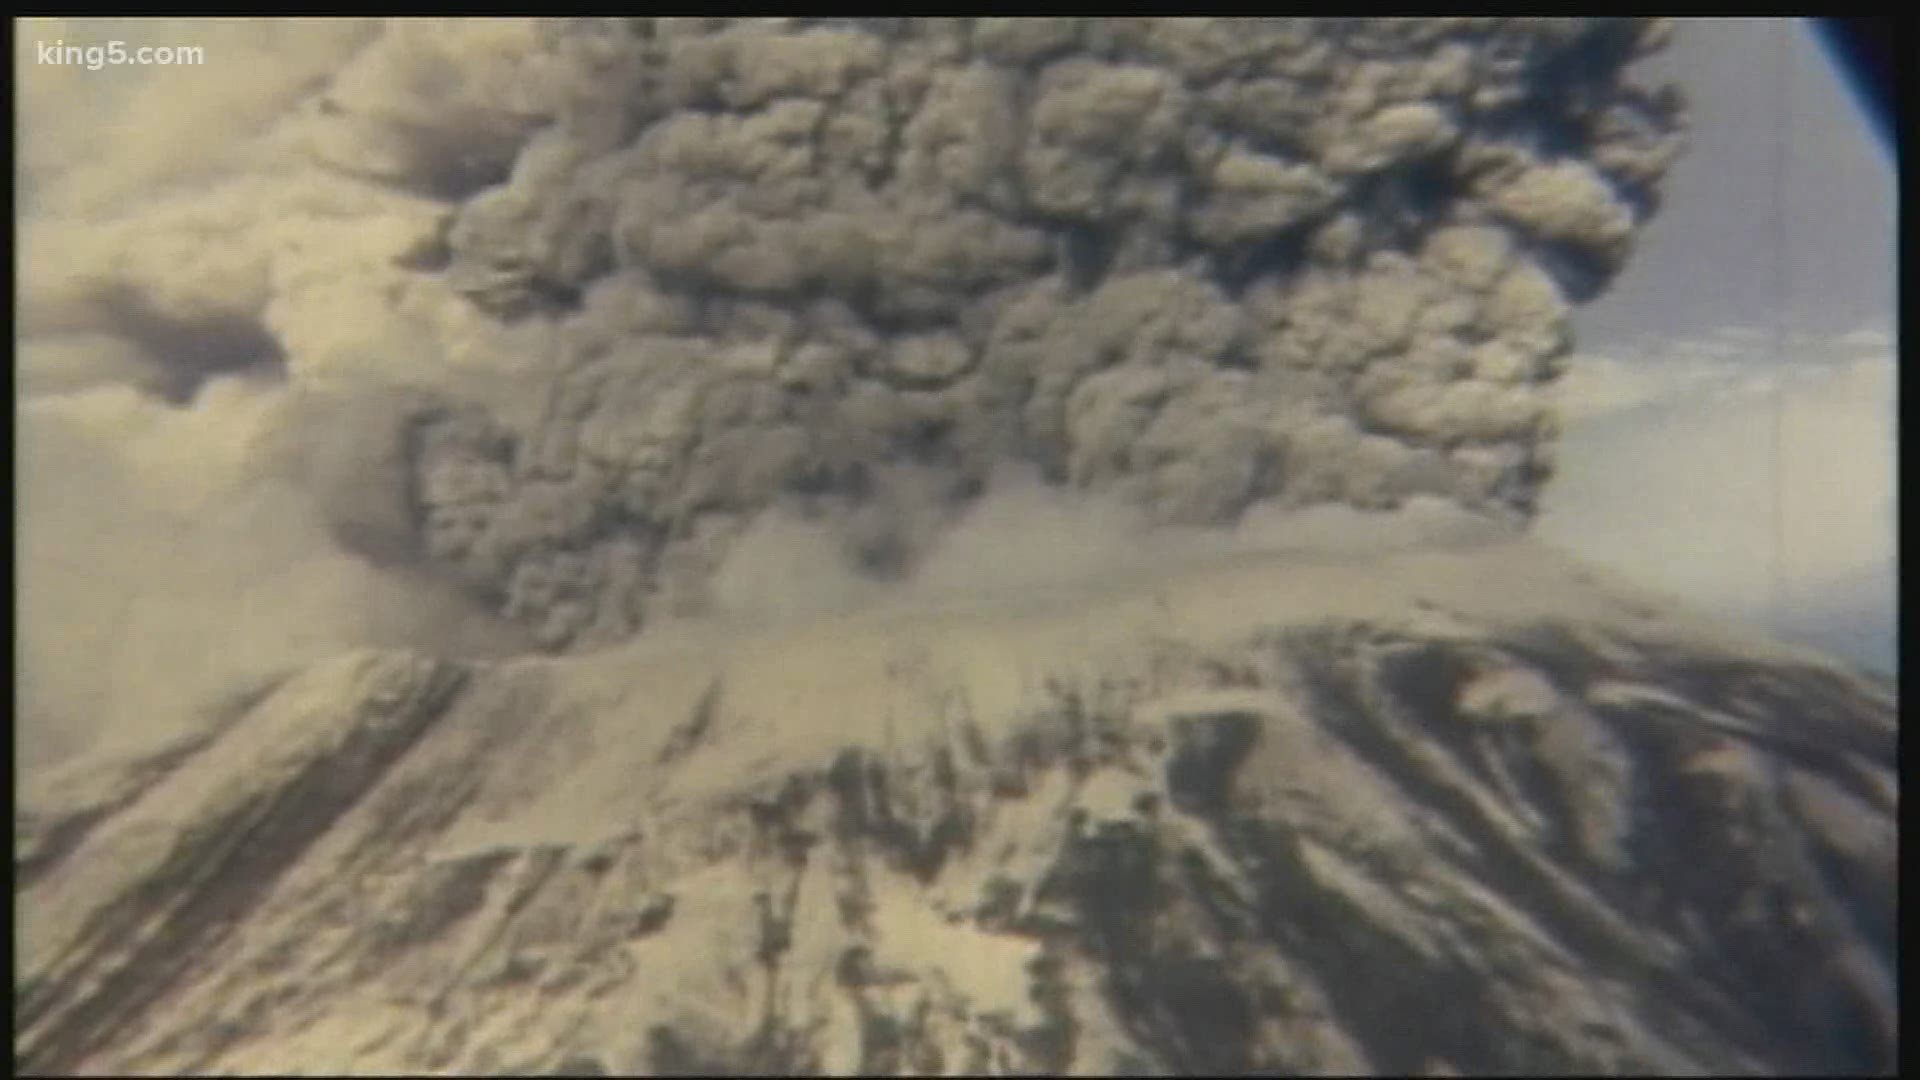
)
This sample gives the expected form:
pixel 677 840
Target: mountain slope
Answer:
pixel 1469 808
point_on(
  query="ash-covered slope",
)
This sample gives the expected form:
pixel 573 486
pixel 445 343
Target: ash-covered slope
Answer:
pixel 570 312
pixel 1458 809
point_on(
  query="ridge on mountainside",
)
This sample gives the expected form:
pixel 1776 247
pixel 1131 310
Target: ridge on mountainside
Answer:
pixel 1471 809
pixel 428 711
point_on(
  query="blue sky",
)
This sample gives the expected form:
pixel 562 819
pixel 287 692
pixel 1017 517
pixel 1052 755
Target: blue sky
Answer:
pixel 1731 431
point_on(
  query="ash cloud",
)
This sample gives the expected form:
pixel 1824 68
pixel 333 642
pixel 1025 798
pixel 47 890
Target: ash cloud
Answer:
pixel 431 328
pixel 163 571
pixel 201 507
pixel 848 268
pixel 1026 540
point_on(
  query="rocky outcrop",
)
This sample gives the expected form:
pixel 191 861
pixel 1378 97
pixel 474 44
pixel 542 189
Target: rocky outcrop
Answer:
pixel 1241 818
pixel 1453 806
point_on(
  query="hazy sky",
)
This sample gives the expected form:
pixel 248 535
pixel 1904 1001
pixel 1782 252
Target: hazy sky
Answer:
pixel 1777 241
pixel 1712 258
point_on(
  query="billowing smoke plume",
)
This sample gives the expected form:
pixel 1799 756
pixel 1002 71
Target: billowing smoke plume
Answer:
pixel 851 267
pixel 549 316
